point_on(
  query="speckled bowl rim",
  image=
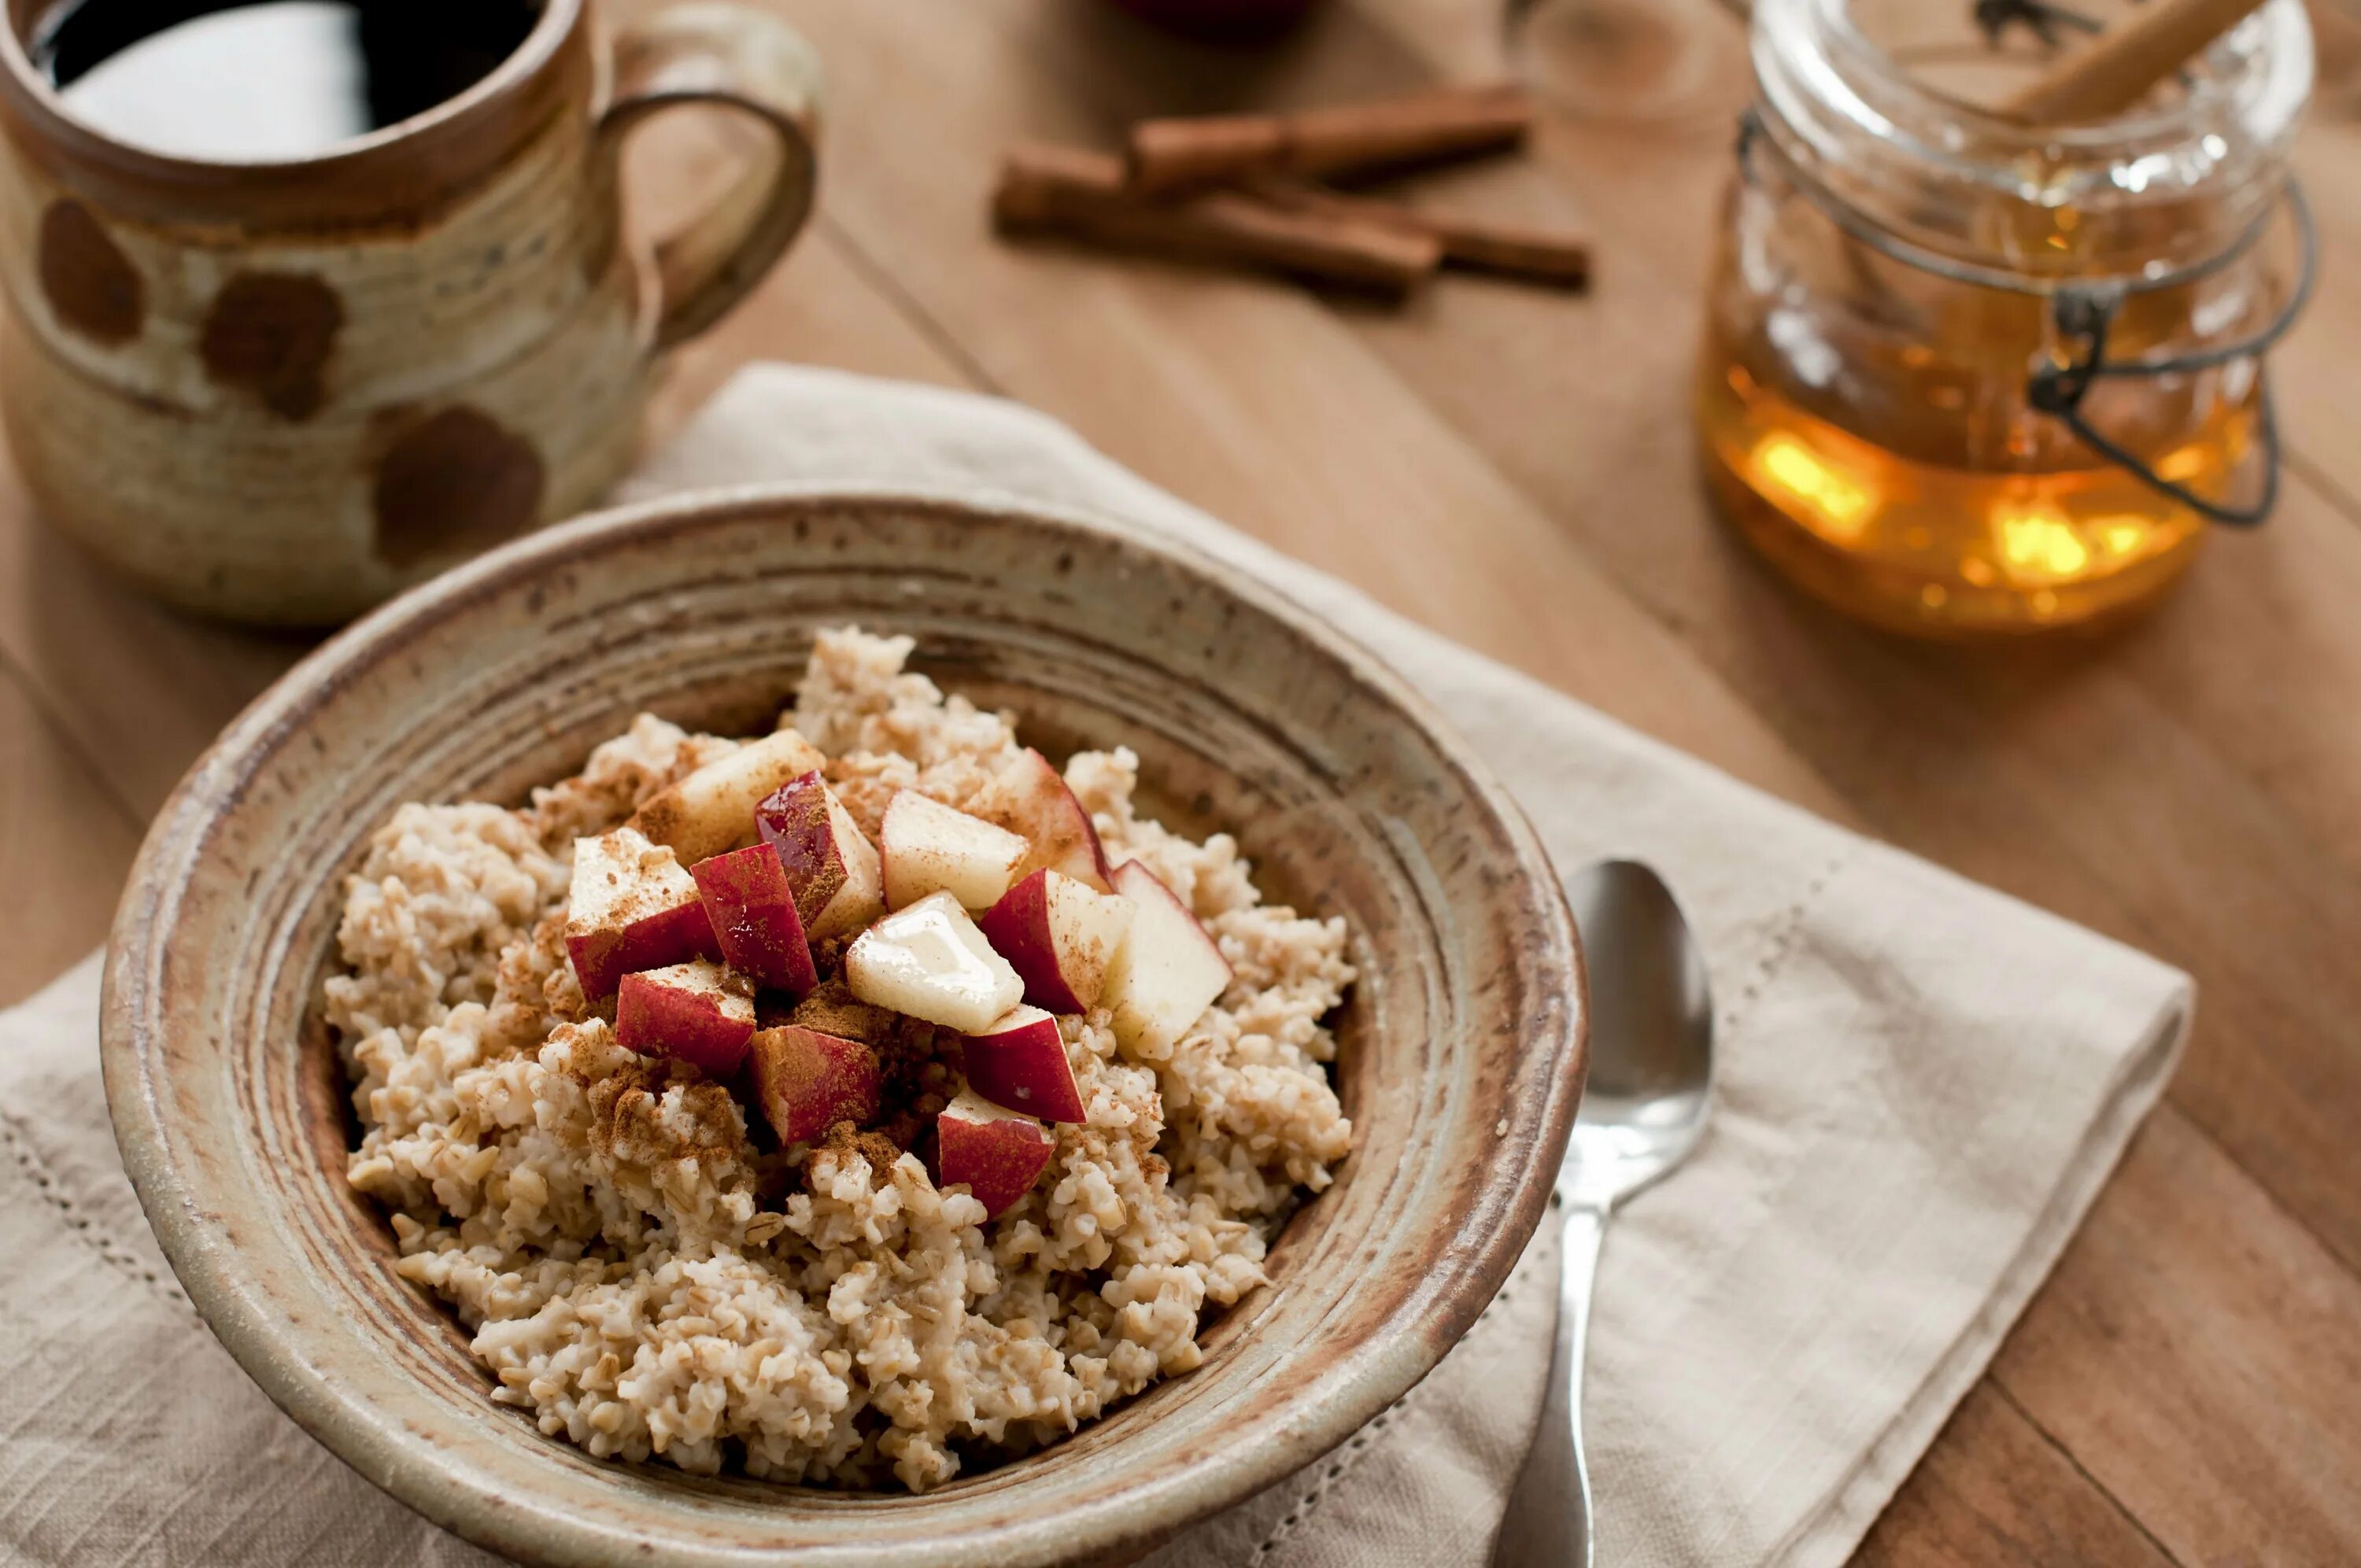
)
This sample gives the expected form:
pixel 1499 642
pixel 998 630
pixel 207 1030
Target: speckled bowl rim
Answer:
pixel 1485 1249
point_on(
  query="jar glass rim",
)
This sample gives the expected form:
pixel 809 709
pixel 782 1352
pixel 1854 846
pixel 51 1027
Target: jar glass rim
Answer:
pixel 1842 93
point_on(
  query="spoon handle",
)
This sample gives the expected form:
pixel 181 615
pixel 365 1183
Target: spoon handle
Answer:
pixel 1548 1519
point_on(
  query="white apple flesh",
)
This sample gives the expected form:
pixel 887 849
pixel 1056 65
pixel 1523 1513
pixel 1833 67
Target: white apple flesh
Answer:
pixel 808 1080
pixel 750 905
pixel 1060 937
pixel 631 907
pixel 1168 971
pixel 1019 1064
pixel 997 1154
pixel 840 885
pixel 697 1012
pixel 928 847
pixel 1029 798
pixel 713 808
pixel 930 961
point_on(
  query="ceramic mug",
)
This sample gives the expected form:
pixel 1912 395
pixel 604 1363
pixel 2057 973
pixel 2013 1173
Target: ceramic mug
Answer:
pixel 281 392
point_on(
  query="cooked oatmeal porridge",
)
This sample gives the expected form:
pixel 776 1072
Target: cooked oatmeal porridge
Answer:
pixel 845 1104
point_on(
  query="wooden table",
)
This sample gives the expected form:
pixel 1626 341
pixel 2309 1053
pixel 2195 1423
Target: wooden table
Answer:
pixel 1512 466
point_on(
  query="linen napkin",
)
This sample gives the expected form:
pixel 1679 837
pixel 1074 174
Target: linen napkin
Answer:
pixel 1921 1084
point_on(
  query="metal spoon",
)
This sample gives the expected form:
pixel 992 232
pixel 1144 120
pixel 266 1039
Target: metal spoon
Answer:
pixel 1650 1076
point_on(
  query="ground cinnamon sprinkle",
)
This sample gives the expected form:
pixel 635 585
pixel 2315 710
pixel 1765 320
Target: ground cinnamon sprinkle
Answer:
pixel 832 1009
pixel 648 1110
pixel 844 1140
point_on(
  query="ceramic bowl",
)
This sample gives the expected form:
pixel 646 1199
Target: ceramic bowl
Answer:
pixel 1461 1047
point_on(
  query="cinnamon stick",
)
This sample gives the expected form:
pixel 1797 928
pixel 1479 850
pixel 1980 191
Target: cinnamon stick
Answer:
pixel 1177 154
pixel 1071 191
pixel 2116 70
pixel 1484 245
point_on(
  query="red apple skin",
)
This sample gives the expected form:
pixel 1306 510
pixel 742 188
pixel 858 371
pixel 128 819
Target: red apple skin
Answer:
pixel 998 1154
pixel 1029 798
pixel 808 1081
pixel 664 936
pixel 794 822
pixel 1020 930
pixel 1020 1064
pixel 800 821
pixel 654 1017
pixel 751 907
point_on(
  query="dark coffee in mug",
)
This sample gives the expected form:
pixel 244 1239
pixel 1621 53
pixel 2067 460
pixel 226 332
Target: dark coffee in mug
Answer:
pixel 269 81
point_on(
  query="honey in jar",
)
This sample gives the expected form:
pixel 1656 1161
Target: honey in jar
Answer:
pixel 1910 291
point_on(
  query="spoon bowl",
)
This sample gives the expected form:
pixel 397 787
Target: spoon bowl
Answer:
pixel 1651 1034
pixel 1644 1108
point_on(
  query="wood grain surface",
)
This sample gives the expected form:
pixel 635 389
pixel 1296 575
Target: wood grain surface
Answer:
pixel 1512 466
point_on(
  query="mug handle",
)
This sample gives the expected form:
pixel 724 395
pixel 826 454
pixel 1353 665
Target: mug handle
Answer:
pixel 734 56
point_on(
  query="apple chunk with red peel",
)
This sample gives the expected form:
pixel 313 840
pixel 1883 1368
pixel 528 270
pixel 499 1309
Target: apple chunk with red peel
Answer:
pixel 840 886
pixel 929 848
pixel 1019 1064
pixel 751 907
pixel 713 808
pixel 930 961
pixel 1060 937
pixel 998 1153
pixel 631 907
pixel 808 1080
pixel 1029 798
pixel 1168 970
pixel 697 1012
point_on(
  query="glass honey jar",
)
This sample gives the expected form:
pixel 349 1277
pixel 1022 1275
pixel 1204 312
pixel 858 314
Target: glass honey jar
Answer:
pixel 1962 375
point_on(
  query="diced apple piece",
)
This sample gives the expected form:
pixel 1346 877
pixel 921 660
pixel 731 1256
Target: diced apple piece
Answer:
pixel 752 907
pixel 998 1153
pixel 1168 970
pixel 1020 1064
pixel 1060 937
pixel 930 961
pixel 839 884
pixel 713 808
pixel 808 1081
pixel 929 848
pixel 631 907
pixel 699 1013
pixel 1029 798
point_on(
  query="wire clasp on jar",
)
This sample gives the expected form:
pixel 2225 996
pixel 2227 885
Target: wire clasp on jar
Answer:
pixel 2084 314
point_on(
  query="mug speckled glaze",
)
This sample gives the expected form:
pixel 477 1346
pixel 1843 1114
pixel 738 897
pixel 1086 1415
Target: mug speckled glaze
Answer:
pixel 1461 1047
pixel 281 392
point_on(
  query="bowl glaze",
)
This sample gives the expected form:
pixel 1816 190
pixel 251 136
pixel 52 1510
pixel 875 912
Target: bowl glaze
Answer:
pixel 1462 1045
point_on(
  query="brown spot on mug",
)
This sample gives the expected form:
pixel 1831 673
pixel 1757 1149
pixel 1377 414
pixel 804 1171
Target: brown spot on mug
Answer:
pixel 91 287
pixel 275 333
pixel 454 483
pixel 282 391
